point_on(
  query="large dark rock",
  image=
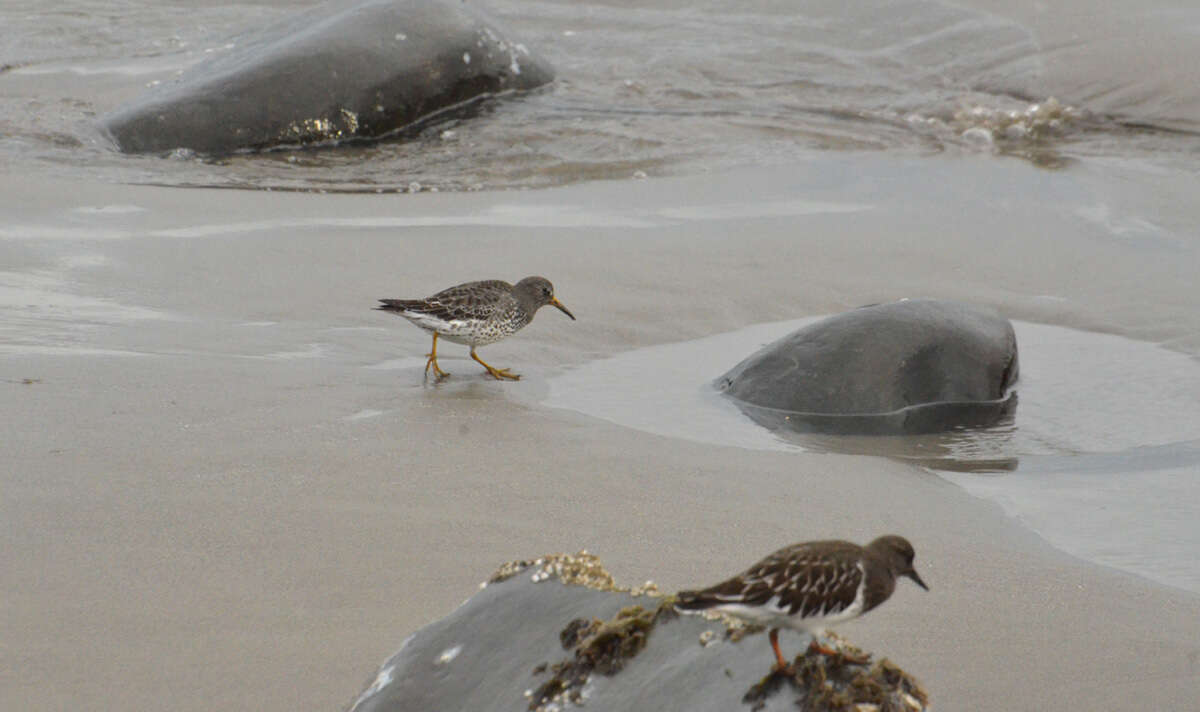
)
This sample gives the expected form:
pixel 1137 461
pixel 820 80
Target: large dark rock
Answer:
pixel 919 365
pixel 556 632
pixel 336 71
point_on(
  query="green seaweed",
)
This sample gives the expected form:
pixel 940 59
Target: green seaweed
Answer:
pixel 837 683
pixel 601 647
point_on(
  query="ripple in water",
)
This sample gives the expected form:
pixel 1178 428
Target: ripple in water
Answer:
pixel 641 91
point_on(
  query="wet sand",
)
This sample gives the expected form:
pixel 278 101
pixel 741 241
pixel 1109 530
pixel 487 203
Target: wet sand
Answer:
pixel 230 489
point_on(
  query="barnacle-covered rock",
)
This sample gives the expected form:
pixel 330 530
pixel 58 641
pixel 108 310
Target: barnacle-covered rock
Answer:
pixel 557 632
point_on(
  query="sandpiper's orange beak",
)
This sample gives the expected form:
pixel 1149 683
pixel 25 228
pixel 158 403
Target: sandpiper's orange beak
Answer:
pixel 555 302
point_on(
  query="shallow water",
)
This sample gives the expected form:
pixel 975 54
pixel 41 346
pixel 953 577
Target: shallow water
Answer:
pixel 661 89
pixel 1105 433
pixel 204 403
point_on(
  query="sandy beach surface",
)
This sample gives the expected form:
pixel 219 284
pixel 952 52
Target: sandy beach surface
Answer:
pixel 227 487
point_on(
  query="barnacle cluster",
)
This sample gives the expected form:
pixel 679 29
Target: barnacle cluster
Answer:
pixel 318 129
pixel 580 569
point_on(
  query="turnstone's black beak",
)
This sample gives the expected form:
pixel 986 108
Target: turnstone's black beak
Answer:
pixel 912 574
pixel 555 302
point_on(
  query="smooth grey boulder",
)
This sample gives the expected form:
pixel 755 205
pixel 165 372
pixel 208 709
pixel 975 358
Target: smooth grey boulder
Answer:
pixel 545 638
pixel 337 71
pixel 913 366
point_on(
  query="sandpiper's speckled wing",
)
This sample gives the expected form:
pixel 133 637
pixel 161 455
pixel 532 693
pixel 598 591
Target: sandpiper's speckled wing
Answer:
pixel 810 580
pixel 473 301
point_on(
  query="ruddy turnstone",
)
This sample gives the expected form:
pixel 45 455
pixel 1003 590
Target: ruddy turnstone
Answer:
pixel 476 314
pixel 809 586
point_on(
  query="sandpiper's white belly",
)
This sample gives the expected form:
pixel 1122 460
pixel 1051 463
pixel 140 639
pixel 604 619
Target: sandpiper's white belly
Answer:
pixel 459 331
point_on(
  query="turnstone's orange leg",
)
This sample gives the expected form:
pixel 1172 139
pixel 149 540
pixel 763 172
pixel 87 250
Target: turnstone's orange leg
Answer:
pixel 432 362
pixel 498 373
pixel 780 663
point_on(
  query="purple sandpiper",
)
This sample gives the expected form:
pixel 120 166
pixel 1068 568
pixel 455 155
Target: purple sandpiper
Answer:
pixel 476 314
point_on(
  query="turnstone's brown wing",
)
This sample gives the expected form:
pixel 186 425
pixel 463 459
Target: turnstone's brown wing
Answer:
pixel 471 301
pixel 811 580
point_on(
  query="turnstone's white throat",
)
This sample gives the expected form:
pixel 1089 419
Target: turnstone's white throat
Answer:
pixel 810 586
pixel 476 314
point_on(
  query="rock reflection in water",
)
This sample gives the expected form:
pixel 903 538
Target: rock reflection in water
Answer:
pixel 985 443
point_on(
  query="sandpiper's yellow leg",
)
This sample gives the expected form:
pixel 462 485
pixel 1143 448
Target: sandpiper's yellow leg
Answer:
pixel 439 373
pixel 497 373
